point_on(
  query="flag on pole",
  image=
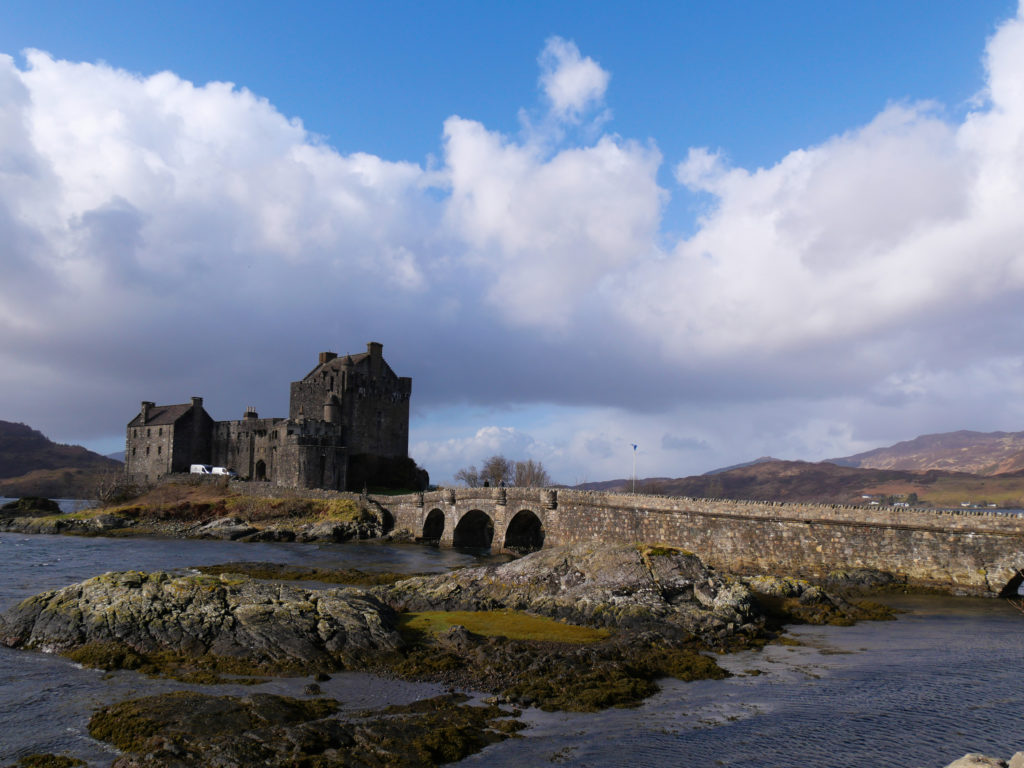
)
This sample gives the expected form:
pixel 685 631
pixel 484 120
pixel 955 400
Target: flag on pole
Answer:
pixel 634 446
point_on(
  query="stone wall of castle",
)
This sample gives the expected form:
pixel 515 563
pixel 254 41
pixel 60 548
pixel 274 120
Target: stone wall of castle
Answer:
pixel 149 452
pixel 153 450
pixel 363 395
pixel 346 407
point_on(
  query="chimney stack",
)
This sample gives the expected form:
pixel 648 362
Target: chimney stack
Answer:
pixel 146 405
pixel 326 357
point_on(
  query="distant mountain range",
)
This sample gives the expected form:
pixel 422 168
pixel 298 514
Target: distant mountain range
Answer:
pixel 947 470
pixel 980 453
pixel 32 464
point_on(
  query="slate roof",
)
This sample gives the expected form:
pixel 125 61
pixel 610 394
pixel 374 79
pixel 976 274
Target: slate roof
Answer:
pixel 161 415
pixel 337 363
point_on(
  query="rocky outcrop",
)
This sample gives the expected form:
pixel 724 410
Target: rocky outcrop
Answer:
pixel 976 760
pixel 620 586
pixel 53 524
pixel 265 625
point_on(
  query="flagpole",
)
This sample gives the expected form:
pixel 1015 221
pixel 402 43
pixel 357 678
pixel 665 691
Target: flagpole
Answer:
pixel 634 467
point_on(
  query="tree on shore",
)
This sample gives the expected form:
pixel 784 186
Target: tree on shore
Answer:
pixel 497 470
pixel 531 474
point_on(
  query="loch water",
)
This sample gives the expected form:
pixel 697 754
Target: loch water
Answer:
pixel 942 680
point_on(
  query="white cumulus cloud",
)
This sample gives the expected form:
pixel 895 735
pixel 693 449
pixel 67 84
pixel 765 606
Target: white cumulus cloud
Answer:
pixel 571 83
pixel 911 215
pixel 161 239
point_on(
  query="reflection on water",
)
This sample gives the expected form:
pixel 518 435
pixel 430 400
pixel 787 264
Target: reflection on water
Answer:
pixel 942 680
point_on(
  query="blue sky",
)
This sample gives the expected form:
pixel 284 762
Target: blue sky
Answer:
pixel 717 230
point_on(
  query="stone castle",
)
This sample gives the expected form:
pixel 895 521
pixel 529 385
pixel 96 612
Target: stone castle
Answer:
pixel 348 411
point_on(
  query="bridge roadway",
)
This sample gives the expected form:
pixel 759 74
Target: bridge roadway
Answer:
pixel 968 551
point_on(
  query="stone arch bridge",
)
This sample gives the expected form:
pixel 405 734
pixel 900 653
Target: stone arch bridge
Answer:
pixel 968 551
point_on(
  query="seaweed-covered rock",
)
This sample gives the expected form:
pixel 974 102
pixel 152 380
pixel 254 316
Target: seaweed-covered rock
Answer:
pixel 788 600
pixel 30 506
pixel 620 586
pixel 859 579
pixel 48 760
pixel 274 626
pixel 186 729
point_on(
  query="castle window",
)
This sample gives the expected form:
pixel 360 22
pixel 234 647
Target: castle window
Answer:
pixel 133 451
pixel 160 431
pixel 148 432
pixel 147 450
pixel 159 450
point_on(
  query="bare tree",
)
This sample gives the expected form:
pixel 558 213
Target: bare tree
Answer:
pixel 497 470
pixel 531 474
pixel 469 476
pixel 114 486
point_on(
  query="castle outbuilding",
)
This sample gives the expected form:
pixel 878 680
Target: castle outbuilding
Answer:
pixel 347 418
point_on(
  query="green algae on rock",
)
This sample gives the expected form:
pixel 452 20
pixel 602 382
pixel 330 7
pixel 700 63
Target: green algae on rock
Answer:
pixel 513 625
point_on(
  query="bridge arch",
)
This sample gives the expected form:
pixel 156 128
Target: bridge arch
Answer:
pixel 474 529
pixel 1014 587
pixel 525 533
pixel 433 526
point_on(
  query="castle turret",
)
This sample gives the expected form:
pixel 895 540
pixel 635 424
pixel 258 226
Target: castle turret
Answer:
pixel 332 410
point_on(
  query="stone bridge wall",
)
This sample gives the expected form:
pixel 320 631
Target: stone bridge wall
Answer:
pixel 971 551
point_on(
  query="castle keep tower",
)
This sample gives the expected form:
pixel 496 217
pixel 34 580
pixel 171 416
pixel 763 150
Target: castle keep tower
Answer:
pixel 347 408
pixel 362 394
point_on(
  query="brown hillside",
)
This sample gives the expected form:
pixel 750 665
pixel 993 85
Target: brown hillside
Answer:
pixel 979 453
pixel 24 450
pixel 65 483
pixel 832 484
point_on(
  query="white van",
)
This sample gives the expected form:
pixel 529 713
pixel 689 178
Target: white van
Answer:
pixel 225 471
pixel 201 469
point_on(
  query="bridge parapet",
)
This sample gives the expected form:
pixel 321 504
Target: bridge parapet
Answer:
pixel 970 550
